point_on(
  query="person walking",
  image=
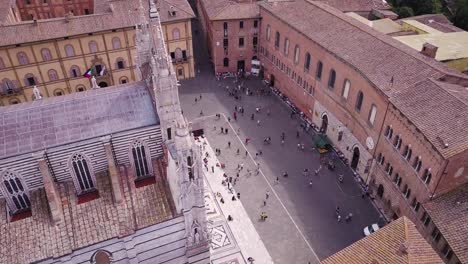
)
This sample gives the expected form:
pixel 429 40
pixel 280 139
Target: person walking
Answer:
pixel 212 169
pixel 258 122
pixel 277 180
pixel 229 119
pixel 226 131
pixel 222 130
pixel 252 117
pixel 238 151
pixel 267 194
pixel 229 144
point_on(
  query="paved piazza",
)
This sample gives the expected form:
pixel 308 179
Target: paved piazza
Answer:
pixel 301 226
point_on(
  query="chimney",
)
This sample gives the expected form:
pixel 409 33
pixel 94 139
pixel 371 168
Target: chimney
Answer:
pixel 429 50
pixel 403 249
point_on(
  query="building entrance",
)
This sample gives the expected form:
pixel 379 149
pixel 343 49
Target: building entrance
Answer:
pixel 355 160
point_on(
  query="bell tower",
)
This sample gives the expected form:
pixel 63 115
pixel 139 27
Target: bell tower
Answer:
pixel 184 170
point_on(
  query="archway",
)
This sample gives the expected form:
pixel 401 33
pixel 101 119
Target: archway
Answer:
pixel 324 126
pixel 355 160
pixel 102 84
pixel 380 190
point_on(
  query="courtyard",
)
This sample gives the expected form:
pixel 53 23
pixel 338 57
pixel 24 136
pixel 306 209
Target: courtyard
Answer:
pixel 302 225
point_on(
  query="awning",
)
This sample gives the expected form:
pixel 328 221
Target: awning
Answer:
pixel 321 141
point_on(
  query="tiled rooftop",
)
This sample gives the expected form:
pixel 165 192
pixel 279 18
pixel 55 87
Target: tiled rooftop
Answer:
pixel 357 5
pixel 123 14
pixel 449 213
pixel 380 59
pixel 229 9
pixel 436 21
pixel 53 121
pixel 37 238
pixel 397 243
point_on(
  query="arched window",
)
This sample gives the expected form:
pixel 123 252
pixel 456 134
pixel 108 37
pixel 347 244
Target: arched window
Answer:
pixel 116 43
pixel 46 55
pixel 82 173
pixel 417 164
pixel 93 46
pixel 407 193
pixel 75 72
pixel 427 176
pixel 407 152
pixel 2 63
pixel 318 73
pixel 53 75
pixel 175 33
pixel 277 39
pixel 331 79
pixel 30 80
pixel 226 62
pixel 9 86
pixel 268 32
pixel 80 88
pixel 14 101
pixel 359 100
pixel 141 159
pixel 397 179
pixel 15 191
pixel 120 63
pixel 397 142
pixel 101 257
pixel 346 87
pixel 58 92
pixel 22 58
pixel 286 46
pixel 372 114
pixel 69 50
pixel 296 54
pixel 307 62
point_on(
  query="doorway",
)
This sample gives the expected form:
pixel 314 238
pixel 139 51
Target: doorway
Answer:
pixel 103 84
pixel 355 160
pixel 241 66
pixel 272 80
pixel 324 126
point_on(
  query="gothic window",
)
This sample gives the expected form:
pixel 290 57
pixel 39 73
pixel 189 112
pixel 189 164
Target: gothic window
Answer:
pixel 427 176
pixel 332 79
pixel 346 87
pixel 286 47
pixel 82 173
pixel 175 33
pixel 407 152
pixel 141 159
pixel 15 191
pixel 359 100
pixel 397 179
pixel 93 46
pixel 30 80
pixel 120 63
pixel 75 71
pixel 296 54
pixel 318 73
pixel 417 164
pixel 22 58
pixel 307 62
pixel 407 193
pixel 46 55
pixel 388 132
pixel 53 76
pixel 397 142
pixel 116 43
pixel 69 50
pixel 277 39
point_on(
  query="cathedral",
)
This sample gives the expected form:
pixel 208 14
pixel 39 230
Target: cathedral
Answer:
pixel 105 175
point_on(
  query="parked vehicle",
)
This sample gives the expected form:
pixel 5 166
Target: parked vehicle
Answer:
pixel 371 229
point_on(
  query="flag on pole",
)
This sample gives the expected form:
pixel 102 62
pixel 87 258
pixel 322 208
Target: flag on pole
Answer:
pixel 88 73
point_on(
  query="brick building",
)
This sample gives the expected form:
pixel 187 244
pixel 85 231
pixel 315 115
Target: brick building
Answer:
pixel 231 29
pixel 397 115
pixel 53 54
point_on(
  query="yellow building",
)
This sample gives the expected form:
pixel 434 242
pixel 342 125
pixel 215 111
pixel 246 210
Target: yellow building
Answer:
pixel 54 54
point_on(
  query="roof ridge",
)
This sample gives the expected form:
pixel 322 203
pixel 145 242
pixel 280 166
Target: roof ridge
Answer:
pixel 381 37
pixel 405 225
pixel 228 4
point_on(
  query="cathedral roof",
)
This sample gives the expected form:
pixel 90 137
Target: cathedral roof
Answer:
pixel 54 121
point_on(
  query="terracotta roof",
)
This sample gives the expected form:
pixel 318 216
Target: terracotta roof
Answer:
pixel 357 5
pixel 449 213
pixel 436 21
pixel 123 14
pixel 380 59
pixel 226 9
pixel 52 121
pixel 397 243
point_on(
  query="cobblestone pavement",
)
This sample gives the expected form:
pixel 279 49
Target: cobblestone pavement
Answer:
pixel 302 222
